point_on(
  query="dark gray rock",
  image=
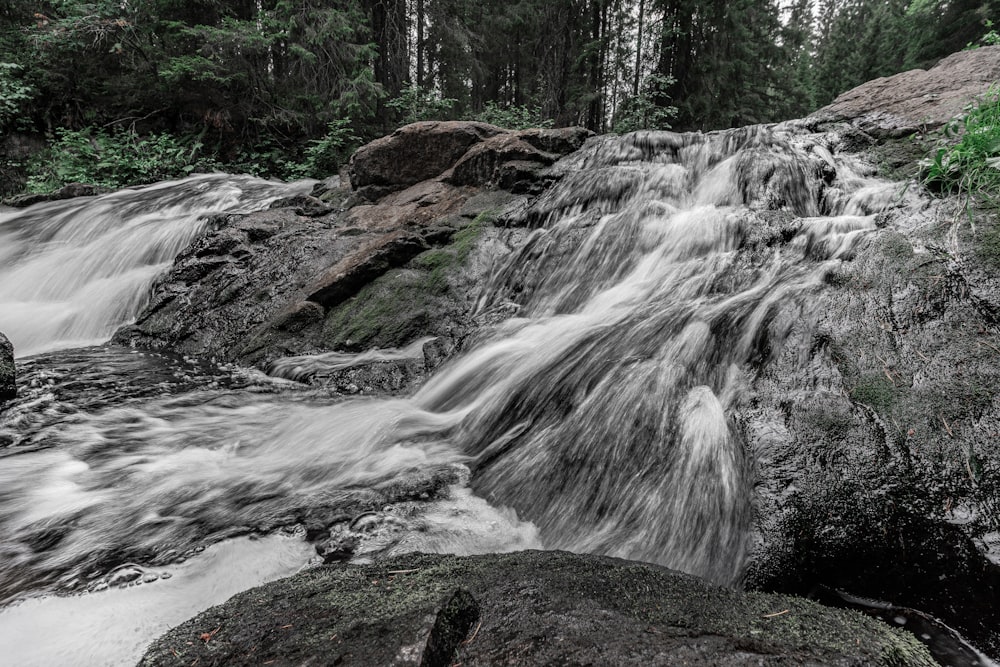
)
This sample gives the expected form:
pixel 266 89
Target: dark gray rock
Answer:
pixel 551 608
pixel 8 388
pixel 69 191
pixel 874 426
pixel 278 283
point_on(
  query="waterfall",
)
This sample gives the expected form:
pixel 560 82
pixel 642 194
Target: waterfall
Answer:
pixel 72 272
pixel 601 417
pixel 645 302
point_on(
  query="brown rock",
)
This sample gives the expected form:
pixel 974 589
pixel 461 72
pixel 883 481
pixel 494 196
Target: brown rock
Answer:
pixel 561 140
pixel 918 99
pixel 346 277
pixel 69 191
pixel 415 153
pixel 481 164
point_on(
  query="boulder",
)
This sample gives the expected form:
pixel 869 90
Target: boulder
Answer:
pixel 8 389
pixel 481 165
pixel 917 100
pixel 538 608
pixel 460 152
pixel 414 153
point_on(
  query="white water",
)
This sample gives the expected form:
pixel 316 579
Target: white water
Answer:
pixel 33 633
pixel 599 419
pixel 72 272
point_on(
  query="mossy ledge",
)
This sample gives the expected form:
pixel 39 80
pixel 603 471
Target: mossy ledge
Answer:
pixel 531 607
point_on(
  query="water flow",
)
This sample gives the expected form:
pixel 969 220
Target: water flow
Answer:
pixel 602 412
pixel 72 272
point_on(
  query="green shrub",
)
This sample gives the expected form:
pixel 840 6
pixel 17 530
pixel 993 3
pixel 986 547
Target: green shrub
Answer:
pixel 112 159
pixel 644 112
pixel 967 160
pixel 14 94
pixel 416 104
pixel 324 156
pixel 512 117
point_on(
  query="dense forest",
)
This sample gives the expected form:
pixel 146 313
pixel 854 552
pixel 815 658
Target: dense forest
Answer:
pixel 124 91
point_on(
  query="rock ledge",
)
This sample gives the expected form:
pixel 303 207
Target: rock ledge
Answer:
pixel 529 607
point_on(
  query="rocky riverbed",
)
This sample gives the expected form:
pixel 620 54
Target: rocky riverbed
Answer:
pixel 829 340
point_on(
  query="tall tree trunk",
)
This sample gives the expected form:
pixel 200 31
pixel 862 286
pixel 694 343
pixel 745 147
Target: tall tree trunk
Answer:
pixel 638 50
pixel 420 43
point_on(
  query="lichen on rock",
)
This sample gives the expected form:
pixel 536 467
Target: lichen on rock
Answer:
pixel 528 607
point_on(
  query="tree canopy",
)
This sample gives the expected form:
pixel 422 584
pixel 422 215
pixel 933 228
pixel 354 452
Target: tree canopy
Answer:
pixel 249 84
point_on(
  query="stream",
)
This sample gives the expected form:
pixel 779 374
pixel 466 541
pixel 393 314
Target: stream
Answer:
pixel 138 488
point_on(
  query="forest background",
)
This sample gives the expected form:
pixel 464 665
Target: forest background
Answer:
pixel 117 92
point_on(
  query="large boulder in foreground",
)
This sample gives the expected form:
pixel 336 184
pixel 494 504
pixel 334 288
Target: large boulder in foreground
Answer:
pixel 917 100
pixel 8 389
pixel 537 608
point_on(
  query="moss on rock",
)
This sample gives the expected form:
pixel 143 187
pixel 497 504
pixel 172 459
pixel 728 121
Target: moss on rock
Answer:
pixel 533 608
pixel 407 303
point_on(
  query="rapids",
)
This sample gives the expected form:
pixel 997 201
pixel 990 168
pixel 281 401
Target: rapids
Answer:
pixel 598 418
pixel 73 271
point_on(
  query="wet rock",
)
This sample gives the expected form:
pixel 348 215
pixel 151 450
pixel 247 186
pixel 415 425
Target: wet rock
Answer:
pixel 917 100
pixel 461 152
pixel 8 388
pixel 524 608
pixel 125 575
pixel 873 426
pixel 481 164
pixel 69 191
pixel 306 205
pixel 327 189
pixel 415 153
pixel 311 274
pixel 561 141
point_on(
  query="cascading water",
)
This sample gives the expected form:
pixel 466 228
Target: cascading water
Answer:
pixel 72 272
pixel 602 412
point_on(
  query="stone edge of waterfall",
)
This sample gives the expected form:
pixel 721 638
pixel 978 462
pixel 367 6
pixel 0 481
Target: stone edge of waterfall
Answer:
pixel 300 277
pixel 8 387
pixel 529 607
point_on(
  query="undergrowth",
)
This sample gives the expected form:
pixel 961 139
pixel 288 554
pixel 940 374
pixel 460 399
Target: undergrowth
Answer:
pixel 967 160
pixel 113 159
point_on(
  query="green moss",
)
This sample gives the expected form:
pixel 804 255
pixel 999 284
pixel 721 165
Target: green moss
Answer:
pixel 405 304
pixel 875 391
pixel 899 159
pixel 896 246
pixel 373 611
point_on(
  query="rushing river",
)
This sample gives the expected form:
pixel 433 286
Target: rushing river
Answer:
pixel 597 419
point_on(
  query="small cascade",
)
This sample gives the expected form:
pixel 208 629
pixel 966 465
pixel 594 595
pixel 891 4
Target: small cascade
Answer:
pixel 600 417
pixel 72 272
pixel 646 298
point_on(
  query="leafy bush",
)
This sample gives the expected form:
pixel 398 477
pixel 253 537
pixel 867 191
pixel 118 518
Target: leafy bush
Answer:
pixel 416 104
pixel 644 111
pixel 512 117
pixel 991 38
pixel 113 159
pixel 324 156
pixel 967 160
pixel 14 94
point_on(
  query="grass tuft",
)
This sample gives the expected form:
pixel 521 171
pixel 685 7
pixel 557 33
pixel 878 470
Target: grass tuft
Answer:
pixel 967 159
